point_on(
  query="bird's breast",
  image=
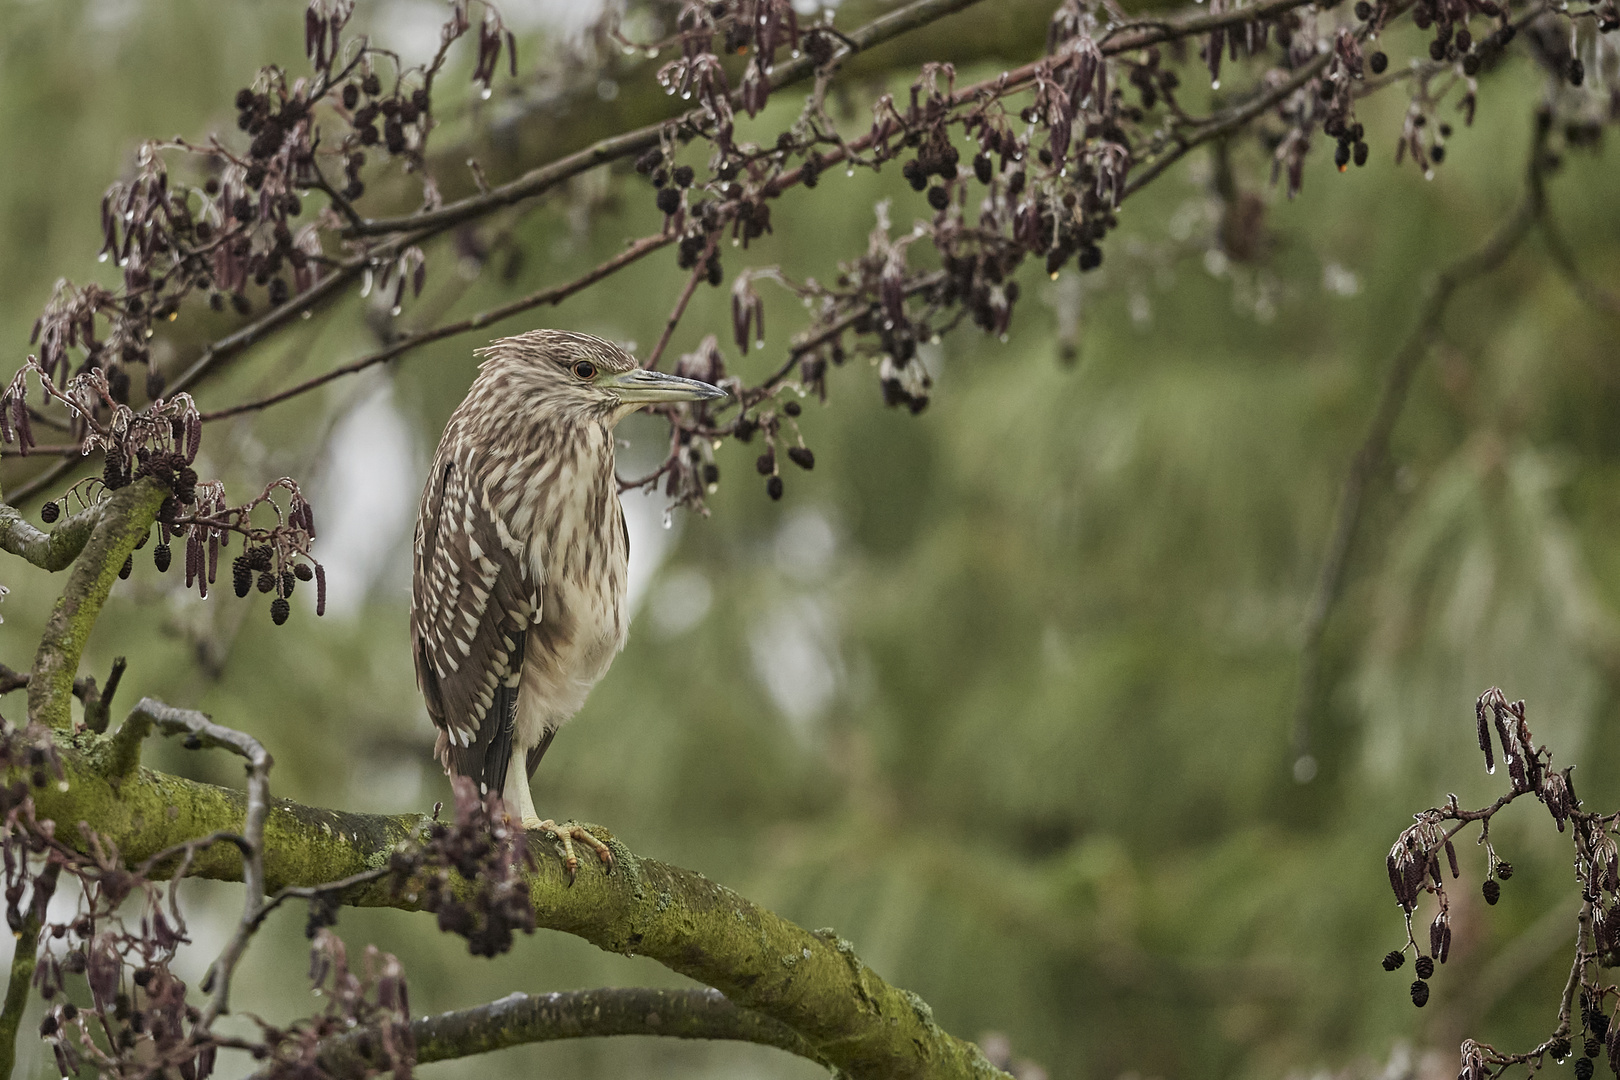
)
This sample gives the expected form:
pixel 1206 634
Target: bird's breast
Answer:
pixel 581 563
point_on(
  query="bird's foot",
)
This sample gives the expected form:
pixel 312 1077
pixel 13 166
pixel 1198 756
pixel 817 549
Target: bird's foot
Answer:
pixel 568 832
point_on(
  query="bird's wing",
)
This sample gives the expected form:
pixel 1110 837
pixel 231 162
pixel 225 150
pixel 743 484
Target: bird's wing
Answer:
pixel 472 601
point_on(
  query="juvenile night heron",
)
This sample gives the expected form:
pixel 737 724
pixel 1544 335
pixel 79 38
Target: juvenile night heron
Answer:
pixel 518 590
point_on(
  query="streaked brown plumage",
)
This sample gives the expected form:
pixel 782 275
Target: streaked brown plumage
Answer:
pixel 518 591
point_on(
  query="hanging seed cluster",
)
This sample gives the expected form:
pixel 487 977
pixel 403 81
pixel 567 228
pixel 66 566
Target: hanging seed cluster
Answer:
pixel 484 849
pixel 113 1003
pixel 1415 869
pixel 105 967
pixel 161 441
pixel 1036 166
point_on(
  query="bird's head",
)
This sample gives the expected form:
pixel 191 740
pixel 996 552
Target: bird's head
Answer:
pixel 582 377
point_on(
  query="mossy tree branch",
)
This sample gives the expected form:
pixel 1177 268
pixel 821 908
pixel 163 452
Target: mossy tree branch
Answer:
pixel 126 516
pixel 23 960
pixel 811 982
pixel 520 1019
pixel 54 550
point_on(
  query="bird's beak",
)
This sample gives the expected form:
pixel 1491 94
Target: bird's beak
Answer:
pixel 642 387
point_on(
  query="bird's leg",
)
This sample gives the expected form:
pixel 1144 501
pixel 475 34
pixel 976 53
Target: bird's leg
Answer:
pixel 568 832
pixel 519 795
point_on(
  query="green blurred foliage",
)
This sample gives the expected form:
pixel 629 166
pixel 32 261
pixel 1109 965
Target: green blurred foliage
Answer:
pixel 1034 650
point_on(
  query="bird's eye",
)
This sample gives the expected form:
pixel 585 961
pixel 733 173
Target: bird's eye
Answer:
pixel 584 369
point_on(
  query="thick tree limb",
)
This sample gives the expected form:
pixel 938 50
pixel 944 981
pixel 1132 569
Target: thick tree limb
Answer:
pixel 811 982
pixel 519 1019
pixel 54 550
pixel 24 957
pixel 126 516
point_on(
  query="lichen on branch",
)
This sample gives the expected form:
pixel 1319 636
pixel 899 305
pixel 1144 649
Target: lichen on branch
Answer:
pixel 813 982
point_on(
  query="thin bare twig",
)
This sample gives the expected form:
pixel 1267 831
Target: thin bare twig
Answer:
pixel 204 732
pixel 699 272
pixel 1369 458
pixel 555 295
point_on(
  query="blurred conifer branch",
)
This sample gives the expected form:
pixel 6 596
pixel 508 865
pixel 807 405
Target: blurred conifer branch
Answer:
pixel 1371 457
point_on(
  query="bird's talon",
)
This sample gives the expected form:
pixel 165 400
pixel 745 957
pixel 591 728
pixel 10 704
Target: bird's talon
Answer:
pixel 568 832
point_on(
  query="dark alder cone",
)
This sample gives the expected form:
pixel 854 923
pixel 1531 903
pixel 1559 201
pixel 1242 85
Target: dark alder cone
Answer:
pixel 267 582
pixel 1420 994
pixel 244 98
pixel 1599 1024
pixel 50 512
pixel 351 96
pixel 1090 257
pixel 711 473
pixel 279 610
pixel 773 487
pixel 278 291
pixel 1361 154
pixel 1364 10
pixel 1492 891
pixel 938 198
pixel 258 557
pixel 1341 156
pixel 1593 1047
pixel 1394 959
pixel 241 575
pixel 303 572
pixel 118 385
pixel 1559 1048
pixel 766 462
pixel 802 457
pixel 649 161
pixel 1425 967
pixel 371 84
pixel 983 169
pixel 1583 1068
pixel 113 473
pixel 161 556
pixel 1577 73
pixel 1504 870
pixel 128 568
pixel 683 176
pixel 668 200
pixel 914 175
pixel 792 408
pixel 155 383
pixel 288 580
